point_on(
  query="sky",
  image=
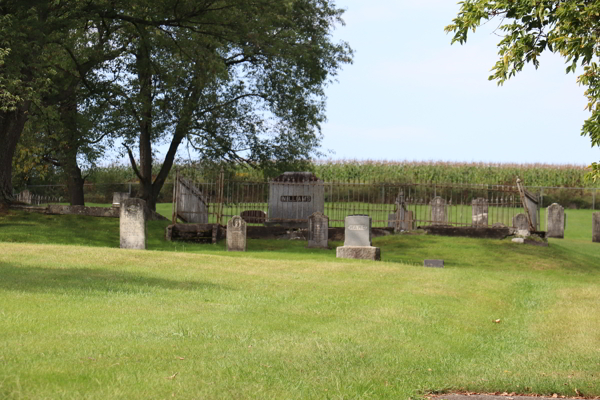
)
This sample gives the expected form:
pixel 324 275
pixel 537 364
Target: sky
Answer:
pixel 411 95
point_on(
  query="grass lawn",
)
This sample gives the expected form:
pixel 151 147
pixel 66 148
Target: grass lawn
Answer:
pixel 82 319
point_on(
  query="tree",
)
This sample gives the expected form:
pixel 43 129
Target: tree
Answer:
pixel 236 80
pixel 569 28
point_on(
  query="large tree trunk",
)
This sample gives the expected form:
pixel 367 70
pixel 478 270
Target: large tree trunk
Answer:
pixel 68 160
pixel 11 127
pixel 75 183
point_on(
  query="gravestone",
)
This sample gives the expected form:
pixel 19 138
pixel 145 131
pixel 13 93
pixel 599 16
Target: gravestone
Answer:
pixel 479 212
pixel 409 221
pixel 555 221
pixel 357 240
pixel 132 216
pixel 293 197
pixel 236 234
pixel 254 216
pixel 530 204
pixel 520 222
pixel 357 230
pixel 438 211
pixel 404 221
pixel 118 198
pixel 596 228
pixel 318 231
pixel 434 263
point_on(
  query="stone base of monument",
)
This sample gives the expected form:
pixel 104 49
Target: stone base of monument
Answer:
pixel 359 252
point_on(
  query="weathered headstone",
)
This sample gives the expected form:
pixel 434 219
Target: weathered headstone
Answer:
pixel 293 197
pixel 254 216
pixel 118 198
pixel 596 228
pixel 530 205
pixel 409 221
pixel 133 224
pixel 434 263
pixel 555 221
pixel 318 231
pixel 358 230
pixel 357 240
pixel 438 211
pixel 479 208
pixel 520 222
pixel 236 234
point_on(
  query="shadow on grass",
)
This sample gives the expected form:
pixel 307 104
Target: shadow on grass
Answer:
pixel 38 279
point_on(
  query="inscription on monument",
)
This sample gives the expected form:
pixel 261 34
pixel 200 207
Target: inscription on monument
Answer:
pixel 295 199
pixel 133 224
pixel 358 230
pixel 236 234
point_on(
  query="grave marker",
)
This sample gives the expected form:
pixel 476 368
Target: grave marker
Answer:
pixel 438 211
pixel 236 234
pixel 293 197
pixel 555 221
pixel 520 222
pixel 434 263
pixel 133 224
pixel 318 231
pixel 357 240
pixel 479 212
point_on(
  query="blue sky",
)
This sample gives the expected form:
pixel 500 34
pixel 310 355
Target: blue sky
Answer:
pixel 410 95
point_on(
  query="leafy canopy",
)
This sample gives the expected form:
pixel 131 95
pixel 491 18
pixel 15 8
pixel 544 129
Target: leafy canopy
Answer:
pixel 530 27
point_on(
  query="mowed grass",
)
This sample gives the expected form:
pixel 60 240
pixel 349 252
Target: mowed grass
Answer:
pixel 82 319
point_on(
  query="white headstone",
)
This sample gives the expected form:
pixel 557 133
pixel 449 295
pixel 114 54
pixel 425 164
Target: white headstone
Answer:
pixel 133 224
pixel 358 230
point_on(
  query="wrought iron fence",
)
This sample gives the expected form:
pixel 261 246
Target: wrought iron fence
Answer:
pixel 405 205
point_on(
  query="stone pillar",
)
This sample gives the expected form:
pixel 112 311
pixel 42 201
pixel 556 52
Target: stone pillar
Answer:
pixel 118 198
pixel 408 221
pixel 357 240
pixel 236 234
pixel 479 212
pixel 438 211
pixel 596 228
pixel 133 224
pixel 520 222
pixel 318 231
pixel 555 221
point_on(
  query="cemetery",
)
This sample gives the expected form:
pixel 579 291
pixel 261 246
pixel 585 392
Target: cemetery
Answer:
pixel 174 225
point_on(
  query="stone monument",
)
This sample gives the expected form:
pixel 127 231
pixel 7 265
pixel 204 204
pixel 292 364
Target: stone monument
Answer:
pixel 357 240
pixel 192 206
pixel 479 208
pixel 133 224
pixel 293 197
pixel 596 228
pixel 118 198
pixel 236 234
pixel 438 211
pixel 318 231
pixel 520 222
pixel 555 221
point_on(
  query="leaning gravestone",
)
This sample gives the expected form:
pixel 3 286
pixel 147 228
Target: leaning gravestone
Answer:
pixel 133 224
pixel 596 228
pixel 438 211
pixel 520 222
pixel 479 208
pixel 236 234
pixel 357 240
pixel 555 221
pixel 118 198
pixel 318 231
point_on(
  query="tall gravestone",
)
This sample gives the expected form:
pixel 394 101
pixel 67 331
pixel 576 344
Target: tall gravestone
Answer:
pixel 133 224
pixel 318 231
pixel 555 221
pixel 438 211
pixel 357 240
pixel 236 234
pixel 596 228
pixel 520 222
pixel 479 212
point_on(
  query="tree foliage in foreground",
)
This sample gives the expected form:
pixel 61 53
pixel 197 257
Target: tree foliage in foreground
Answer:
pixel 566 27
